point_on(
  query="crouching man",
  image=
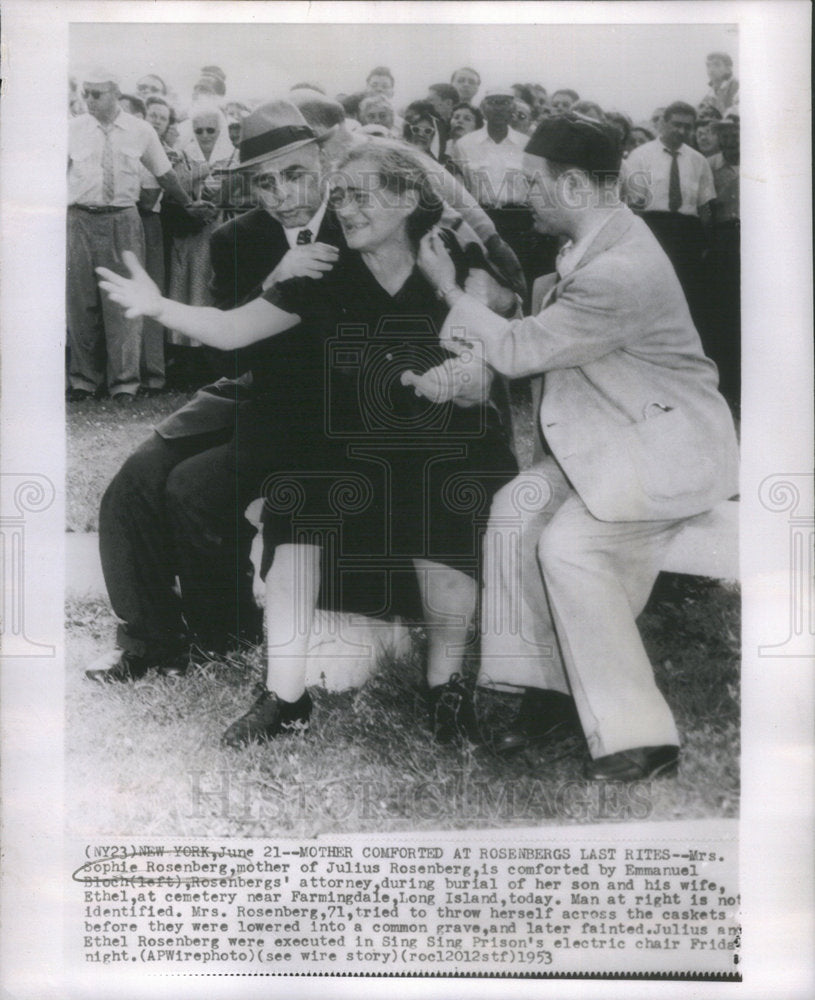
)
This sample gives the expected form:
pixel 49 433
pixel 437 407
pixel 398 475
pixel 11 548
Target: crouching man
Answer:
pixel 637 440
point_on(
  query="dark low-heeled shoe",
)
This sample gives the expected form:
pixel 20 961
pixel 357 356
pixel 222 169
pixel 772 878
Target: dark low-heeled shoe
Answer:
pixel 543 716
pixel 269 717
pixel 452 715
pixel 637 764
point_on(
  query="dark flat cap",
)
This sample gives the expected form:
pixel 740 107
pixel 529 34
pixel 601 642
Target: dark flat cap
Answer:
pixel 579 141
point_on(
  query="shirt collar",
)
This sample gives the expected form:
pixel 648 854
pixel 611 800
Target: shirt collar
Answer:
pixel 572 253
pixel 313 225
pixel 516 138
pixel 117 121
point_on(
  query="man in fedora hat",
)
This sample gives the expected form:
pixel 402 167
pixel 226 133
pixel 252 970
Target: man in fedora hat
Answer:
pixel 638 439
pixel 175 508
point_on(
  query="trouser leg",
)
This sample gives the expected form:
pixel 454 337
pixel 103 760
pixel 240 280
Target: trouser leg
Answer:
pixel 152 355
pixel 518 643
pixel 137 549
pixel 598 576
pixel 122 336
pixel 83 304
pixel 207 496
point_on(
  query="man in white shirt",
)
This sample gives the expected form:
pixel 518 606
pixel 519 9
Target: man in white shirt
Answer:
pixel 106 149
pixel 491 159
pixel 671 186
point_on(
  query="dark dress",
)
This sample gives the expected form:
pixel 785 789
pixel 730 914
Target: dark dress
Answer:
pixel 391 477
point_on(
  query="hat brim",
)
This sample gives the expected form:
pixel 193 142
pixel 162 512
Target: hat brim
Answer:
pixel 265 157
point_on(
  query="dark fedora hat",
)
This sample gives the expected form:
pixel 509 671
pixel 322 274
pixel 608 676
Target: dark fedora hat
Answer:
pixel 272 129
pixel 577 141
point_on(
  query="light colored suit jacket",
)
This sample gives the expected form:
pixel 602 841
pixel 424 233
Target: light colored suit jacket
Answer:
pixel 630 407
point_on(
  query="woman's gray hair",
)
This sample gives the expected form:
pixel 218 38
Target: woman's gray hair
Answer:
pixel 400 169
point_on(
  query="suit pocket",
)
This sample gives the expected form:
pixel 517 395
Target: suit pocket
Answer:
pixel 670 456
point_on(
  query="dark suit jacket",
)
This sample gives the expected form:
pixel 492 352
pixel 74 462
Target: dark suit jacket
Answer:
pixel 243 252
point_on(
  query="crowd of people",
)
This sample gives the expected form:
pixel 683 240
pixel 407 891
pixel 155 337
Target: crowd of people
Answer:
pixel 372 279
pixel 477 136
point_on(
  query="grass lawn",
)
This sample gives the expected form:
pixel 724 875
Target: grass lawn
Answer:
pixel 145 758
pixel 101 434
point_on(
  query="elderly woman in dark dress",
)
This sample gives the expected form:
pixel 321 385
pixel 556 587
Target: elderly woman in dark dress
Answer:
pixel 411 479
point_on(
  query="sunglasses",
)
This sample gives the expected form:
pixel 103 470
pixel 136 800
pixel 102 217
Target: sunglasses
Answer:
pixel 426 131
pixel 95 94
pixel 205 131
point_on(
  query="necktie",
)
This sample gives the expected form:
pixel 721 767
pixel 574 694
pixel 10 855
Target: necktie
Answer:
pixel 674 190
pixel 108 185
pixel 304 236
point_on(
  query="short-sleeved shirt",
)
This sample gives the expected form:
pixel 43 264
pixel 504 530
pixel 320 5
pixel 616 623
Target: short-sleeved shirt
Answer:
pixel 135 143
pixel 646 176
pixel 149 183
pixel 494 170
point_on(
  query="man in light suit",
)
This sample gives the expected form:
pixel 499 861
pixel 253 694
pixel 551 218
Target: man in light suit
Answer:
pixel 637 440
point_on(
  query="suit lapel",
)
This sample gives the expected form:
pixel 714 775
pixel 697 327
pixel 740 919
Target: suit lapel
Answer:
pixel 617 226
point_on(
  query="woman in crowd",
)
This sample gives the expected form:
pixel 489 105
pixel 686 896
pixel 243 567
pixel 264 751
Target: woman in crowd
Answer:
pixel 465 119
pixel 190 270
pixel 522 117
pixel 418 481
pixel 421 130
pixel 420 126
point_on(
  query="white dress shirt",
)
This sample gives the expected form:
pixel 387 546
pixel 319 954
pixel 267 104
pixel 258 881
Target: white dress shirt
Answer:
pixel 494 170
pixel 313 226
pixel 134 143
pixel 646 174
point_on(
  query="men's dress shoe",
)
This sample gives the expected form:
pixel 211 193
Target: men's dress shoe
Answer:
pixel 78 395
pixel 635 765
pixel 543 716
pixel 268 717
pixel 452 715
pixel 119 667
pixel 123 398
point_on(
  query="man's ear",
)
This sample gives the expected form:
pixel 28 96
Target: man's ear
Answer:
pixel 573 187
